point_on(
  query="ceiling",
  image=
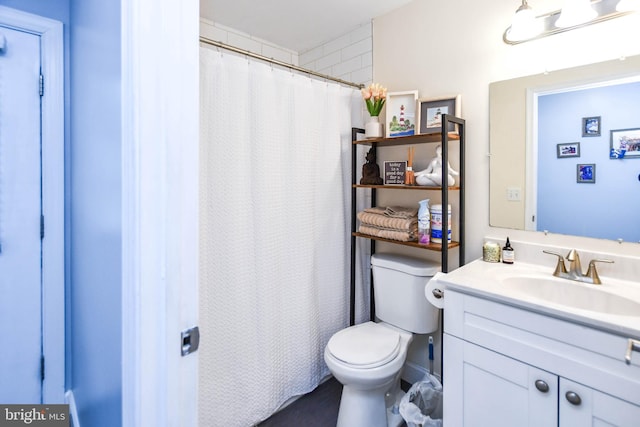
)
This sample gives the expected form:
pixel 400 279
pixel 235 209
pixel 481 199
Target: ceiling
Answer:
pixel 298 25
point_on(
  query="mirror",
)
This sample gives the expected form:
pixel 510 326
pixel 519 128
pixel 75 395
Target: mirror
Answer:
pixel 521 159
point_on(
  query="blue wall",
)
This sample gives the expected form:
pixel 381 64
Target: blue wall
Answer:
pixel 54 9
pixel 96 231
pixel 92 202
pixel 611 206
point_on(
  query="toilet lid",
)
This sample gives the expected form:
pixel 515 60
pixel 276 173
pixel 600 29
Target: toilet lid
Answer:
pixel 366 345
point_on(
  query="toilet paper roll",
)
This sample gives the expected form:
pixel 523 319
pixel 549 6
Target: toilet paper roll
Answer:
pixel 434 291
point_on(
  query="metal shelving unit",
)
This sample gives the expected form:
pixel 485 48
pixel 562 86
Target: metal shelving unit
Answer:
pixel 444 138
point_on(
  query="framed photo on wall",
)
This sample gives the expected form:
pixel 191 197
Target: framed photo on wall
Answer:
pixel 591 126
pixel 570 149
pixel 586 173
pixel 625 143
pixel 401 113
pixel 432 109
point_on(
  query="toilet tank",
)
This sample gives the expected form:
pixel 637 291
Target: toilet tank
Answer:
pixel 398 286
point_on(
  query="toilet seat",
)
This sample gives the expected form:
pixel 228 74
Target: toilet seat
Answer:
pixel 364 346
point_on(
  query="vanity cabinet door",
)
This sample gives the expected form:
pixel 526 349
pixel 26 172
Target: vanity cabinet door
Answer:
pixel 484 388
pixel 581 406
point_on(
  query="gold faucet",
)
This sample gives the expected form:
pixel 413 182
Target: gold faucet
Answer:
pixel 575 269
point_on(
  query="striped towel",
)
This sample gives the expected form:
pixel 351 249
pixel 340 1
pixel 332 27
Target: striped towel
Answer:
pixel 383 221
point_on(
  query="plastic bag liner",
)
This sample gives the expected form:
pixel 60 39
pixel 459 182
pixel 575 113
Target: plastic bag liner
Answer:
pixel 422 405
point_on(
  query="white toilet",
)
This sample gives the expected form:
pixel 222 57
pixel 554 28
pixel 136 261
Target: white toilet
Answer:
pixel 368 358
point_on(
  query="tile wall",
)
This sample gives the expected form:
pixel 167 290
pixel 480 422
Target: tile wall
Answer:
pixel 348 57
pixel 217 32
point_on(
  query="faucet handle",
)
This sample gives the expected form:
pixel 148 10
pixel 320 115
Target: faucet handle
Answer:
pixel 592 273
pixel 560 267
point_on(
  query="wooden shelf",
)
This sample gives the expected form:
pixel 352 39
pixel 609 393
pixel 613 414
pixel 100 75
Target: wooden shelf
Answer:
pixel 430 247
pixel 406 140
pixel 405 187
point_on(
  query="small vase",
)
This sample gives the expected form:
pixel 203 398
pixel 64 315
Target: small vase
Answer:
pixel 373 128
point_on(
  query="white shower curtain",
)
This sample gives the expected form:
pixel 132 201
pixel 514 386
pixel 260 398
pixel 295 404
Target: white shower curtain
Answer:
pixel 275 173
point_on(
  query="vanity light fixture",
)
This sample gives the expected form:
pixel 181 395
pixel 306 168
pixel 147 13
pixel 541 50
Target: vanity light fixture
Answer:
pixel 574 14
pixel 628 6
pixel 524 25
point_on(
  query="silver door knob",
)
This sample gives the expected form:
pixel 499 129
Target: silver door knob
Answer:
pixel 573 398
pixel 542 386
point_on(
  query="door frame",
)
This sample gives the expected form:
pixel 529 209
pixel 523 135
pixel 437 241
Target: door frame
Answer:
pixel 160 196
pixel 52 140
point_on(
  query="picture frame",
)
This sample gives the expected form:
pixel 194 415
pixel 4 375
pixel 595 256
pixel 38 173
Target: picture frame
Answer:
pixel 429 110
pixel 591 126
pixel 569 149
pixel 401 113
pixel 394 172
pixel 625 144
pixel 586 173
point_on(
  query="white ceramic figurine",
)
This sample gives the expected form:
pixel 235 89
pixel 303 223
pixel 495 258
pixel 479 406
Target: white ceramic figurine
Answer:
pixel 432 175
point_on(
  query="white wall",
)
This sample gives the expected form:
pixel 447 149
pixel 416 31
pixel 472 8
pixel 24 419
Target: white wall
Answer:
pixel 455 47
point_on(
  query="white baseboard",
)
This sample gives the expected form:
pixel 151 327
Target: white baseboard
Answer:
pixel 73 409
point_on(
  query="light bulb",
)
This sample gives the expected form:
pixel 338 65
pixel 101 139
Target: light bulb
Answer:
pixel 525 25
pixel 575 12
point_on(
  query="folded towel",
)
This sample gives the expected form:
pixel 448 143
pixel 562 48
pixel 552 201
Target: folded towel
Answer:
pixel 400 224
pixel 403 236
pixel 401 212
pixel 393 211
pixel 380 210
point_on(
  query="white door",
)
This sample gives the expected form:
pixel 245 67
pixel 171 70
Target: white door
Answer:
pixel 581 406
pixel 485 388
pixel 20 217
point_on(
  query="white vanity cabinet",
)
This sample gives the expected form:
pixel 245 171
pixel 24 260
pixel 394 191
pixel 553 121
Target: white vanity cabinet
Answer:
pixel 508 366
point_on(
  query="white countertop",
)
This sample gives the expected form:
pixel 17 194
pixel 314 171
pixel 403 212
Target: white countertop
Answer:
pixel 487 280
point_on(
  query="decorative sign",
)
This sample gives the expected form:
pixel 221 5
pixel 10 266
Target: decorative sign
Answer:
pixel 394 172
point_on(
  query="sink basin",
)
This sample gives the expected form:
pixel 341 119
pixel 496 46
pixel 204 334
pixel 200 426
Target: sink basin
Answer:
pixel 572 294
pixel 612 306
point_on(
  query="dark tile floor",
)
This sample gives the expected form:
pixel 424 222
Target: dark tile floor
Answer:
pixel 316 409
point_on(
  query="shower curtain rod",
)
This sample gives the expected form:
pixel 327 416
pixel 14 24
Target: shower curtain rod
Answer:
pixel 276 62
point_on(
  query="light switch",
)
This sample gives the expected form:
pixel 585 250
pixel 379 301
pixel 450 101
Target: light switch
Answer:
pixel 513 194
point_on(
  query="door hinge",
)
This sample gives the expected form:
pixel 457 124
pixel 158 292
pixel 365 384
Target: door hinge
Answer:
pixel 41 226
pixel 41 85
pixel 42 368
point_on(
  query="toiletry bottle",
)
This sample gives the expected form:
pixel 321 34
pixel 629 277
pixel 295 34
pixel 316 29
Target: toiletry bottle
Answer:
pixel 508 254
pixel 440 225
pixel 424 222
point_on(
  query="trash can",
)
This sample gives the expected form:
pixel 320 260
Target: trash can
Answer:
pixel 422 405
